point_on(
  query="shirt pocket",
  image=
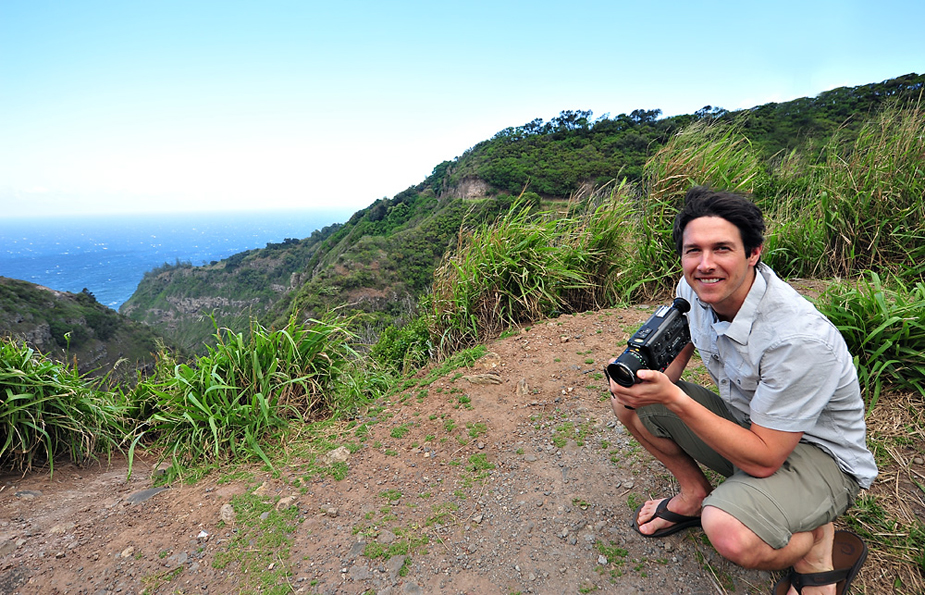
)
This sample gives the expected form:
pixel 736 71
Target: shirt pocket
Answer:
pixel 747 383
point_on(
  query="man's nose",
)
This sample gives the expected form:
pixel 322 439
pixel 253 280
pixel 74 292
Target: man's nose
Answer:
pixel 706 261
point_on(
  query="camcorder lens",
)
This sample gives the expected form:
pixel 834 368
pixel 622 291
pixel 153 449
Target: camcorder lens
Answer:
pixel 623 369
pixel 621 374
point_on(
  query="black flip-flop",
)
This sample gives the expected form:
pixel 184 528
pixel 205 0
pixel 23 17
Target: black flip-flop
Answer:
pixel 848 555
pixel 680 521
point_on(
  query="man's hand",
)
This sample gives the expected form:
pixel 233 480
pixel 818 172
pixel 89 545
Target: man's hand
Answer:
pixel 654 387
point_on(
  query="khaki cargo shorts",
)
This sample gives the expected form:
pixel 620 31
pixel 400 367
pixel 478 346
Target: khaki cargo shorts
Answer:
pixel 808 491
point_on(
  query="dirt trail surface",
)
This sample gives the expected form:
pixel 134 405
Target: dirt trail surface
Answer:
pixel 507 477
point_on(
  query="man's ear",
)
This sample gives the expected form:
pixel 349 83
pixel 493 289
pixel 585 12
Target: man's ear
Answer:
pixel 755 255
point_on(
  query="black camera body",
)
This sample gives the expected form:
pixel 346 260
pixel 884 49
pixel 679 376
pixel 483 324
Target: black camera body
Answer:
pixel 655 345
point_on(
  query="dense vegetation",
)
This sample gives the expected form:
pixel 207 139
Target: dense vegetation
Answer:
pixel 75 327
pixel 849 208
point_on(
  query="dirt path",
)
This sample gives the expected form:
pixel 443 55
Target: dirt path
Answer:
pixel 509 477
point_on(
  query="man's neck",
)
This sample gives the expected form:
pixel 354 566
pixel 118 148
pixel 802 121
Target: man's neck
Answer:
pixel 729 316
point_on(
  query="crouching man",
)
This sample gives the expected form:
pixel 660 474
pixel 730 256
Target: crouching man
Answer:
pixel 787 425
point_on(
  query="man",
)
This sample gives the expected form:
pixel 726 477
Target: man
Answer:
pixel 787 427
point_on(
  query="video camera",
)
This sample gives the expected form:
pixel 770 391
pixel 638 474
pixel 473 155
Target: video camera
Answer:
pixel 654 346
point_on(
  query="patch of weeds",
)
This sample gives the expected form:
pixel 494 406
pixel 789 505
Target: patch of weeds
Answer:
pixel 589 361
pixel 153 582
pixel 479 462
pixel 362 431
pixel 262 544
pixel 632 500
pixel 407 543
pixel 390 453
pixel 443 514
pixel 400 431
pixel 422 394
pixel 236 476
pixel 466 358
pixel 463 401
pixel 390 495
pixel 582 504
pixel 613 553
pixel 476 429
pixel 519 451
pixel 449 425
pixel 509 333
pixel 429 438
pixel 477 469
pixel 459 494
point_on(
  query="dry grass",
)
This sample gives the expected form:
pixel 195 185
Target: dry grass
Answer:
pixel 896 431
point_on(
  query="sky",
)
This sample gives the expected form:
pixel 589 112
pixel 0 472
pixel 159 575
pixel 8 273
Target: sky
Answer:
pixel 135 107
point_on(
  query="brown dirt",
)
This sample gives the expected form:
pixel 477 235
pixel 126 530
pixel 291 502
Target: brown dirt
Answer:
pixel 534 524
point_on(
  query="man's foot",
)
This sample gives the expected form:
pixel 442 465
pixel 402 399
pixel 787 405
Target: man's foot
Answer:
pixel 842 551
pixel 654 519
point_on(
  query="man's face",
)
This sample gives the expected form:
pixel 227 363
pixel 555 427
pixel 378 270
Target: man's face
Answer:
pixel 715 264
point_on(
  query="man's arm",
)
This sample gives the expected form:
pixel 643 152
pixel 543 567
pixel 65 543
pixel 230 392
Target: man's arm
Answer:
pixel 756 450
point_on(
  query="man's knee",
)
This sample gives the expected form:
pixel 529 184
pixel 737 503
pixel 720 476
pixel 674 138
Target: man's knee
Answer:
pixel 732 539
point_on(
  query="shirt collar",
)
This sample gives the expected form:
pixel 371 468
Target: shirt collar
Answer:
pixel 741 326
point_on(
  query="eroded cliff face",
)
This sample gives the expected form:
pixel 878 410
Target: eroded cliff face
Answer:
pixel 470 187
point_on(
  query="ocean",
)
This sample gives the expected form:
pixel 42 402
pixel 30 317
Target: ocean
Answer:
pixel 108 255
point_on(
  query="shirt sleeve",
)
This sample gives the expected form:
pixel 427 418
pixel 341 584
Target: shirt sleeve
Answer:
pixel 798 378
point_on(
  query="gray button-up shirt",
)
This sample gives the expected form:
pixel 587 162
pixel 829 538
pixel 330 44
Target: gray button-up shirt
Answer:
pixel 781 364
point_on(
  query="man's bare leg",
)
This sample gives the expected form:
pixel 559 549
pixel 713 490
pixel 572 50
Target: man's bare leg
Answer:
pixel 807 552
pixel 694 484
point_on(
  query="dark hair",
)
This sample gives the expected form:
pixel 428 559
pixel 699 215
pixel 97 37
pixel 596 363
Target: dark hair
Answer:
pixel 703 201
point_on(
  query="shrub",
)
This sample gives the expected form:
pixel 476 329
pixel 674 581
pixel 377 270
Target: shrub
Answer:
pixel 48 410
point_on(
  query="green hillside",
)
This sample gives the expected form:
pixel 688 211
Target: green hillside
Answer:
pixel 382 259
pixel 74 327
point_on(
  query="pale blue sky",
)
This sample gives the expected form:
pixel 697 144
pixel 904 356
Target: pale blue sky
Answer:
pixel 206 105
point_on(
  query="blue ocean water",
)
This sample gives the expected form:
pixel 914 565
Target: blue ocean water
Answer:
pixel 108 255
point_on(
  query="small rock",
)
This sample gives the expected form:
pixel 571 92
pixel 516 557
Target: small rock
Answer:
pixel 285 502
pixel 227 513
pixel 339 455
pixel 331 512
pixel 918 460
pixel 488 378
pixel 61 528
pixel 127 552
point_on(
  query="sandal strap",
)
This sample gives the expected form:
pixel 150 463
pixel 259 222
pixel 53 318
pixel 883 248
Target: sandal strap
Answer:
pixel 799 581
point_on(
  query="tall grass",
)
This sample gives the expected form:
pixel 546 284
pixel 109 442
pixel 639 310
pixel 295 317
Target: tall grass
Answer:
pixel 703 154
pixel 530 264
pixel 885 329
pixel 872 196
pixel 247 387
pixel 47 410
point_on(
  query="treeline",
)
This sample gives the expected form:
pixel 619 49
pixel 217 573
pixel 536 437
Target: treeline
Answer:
pixel 555 158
